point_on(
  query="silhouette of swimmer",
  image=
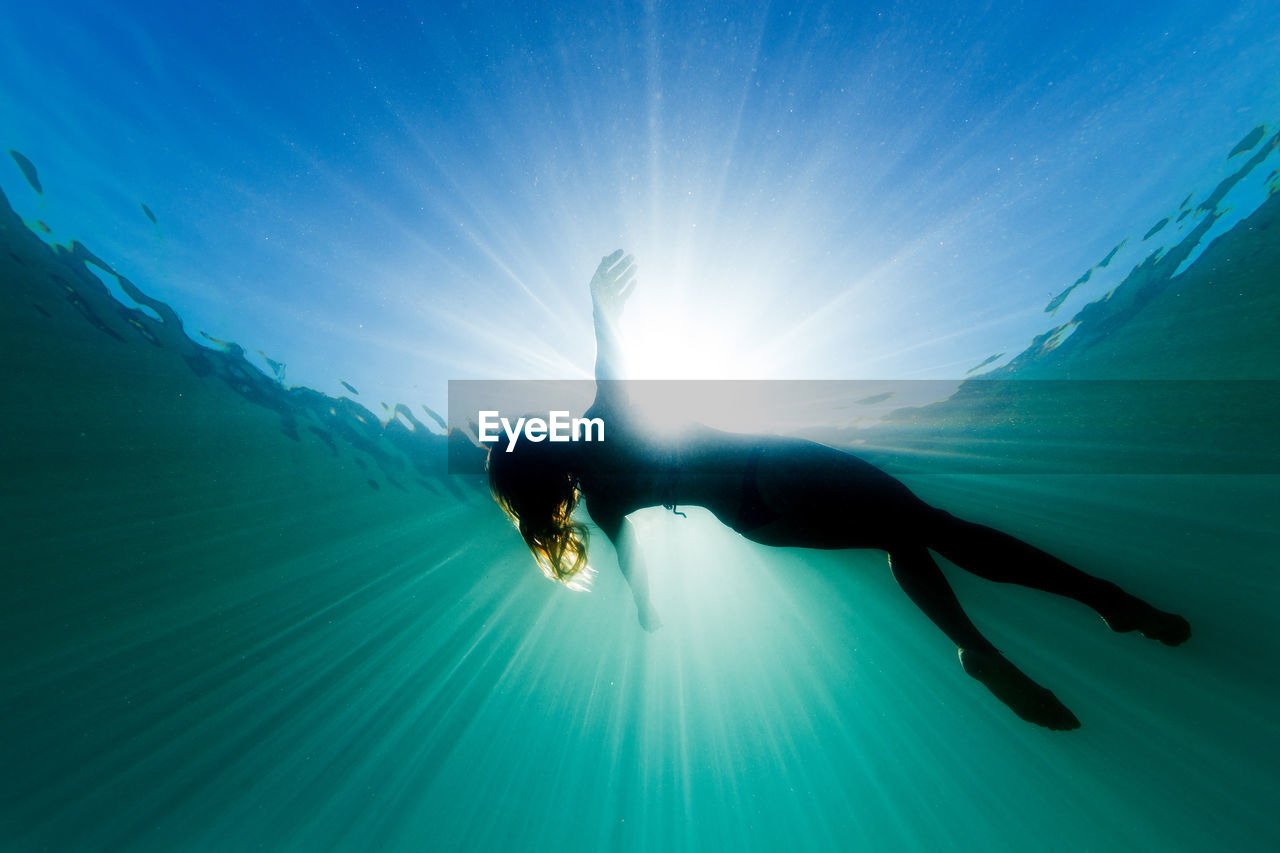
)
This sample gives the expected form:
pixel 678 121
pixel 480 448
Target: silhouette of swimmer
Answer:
pixel 784 492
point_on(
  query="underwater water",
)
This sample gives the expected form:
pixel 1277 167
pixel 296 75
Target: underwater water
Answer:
pixel 242 610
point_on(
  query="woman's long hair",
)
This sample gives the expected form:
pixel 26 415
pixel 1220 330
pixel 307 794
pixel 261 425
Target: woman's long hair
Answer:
pixel 539 493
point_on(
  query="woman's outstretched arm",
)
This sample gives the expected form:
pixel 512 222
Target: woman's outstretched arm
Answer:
pixel 611 286
pixel 623 537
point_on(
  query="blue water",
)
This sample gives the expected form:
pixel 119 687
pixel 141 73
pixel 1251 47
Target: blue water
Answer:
pixel 245 608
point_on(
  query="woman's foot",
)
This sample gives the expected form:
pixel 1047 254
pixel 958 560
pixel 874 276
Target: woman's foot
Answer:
pixel 1134 614
pixel 1011 686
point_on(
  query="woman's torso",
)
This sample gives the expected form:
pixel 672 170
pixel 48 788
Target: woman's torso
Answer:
pixel 636 467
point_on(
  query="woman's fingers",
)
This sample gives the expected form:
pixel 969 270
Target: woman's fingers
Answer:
pixel 623 267
pixel 609 260
pixel 602 275
pixel 615 277
pixel 605 272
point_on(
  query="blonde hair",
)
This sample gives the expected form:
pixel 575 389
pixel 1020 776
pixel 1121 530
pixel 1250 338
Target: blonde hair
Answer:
pixel 540 496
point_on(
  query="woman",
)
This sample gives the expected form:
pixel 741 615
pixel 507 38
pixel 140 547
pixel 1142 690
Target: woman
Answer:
pixel 785 492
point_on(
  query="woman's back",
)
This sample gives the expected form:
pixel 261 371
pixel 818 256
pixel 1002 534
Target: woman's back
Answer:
pixel 636 466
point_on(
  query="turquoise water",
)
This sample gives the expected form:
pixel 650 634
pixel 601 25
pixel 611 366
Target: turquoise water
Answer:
pixel 242 616
pixel 246 248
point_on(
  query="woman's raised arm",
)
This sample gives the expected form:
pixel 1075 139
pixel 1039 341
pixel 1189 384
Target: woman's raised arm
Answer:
pixel 611 286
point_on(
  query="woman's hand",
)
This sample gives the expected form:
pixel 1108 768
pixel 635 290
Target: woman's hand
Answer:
pixel 612 284
pixel 648 616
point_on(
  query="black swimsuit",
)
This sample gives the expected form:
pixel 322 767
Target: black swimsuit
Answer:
pixel 753 512
pixel 671 472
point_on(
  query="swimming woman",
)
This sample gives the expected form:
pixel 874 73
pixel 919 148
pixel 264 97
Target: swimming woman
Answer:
pixel 785 492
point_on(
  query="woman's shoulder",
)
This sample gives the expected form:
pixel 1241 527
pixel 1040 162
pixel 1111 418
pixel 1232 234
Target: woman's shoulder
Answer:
pixel 606 507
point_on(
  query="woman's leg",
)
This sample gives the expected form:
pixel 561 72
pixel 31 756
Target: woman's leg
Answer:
pixel 923 582
pixel 1000 557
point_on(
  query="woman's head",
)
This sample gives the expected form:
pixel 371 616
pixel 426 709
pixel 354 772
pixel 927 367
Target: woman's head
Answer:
pixel 535 487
